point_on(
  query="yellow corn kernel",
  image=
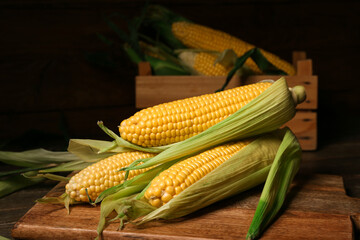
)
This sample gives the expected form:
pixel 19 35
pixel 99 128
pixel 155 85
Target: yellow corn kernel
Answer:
pixel 188 171
pixel 204 63
pixel 202 37
pixel 187 117
pixel 102 175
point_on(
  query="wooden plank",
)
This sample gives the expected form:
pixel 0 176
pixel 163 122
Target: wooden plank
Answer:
pixel 153 90
pixel 304 125
pixel 316 207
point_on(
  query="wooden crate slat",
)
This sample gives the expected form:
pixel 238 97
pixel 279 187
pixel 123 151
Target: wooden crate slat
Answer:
pixel 304 126
pixel 153 90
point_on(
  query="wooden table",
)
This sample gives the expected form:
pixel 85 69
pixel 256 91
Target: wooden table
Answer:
pixel 336 158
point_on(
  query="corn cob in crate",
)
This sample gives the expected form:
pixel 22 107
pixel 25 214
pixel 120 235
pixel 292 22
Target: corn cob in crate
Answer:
pixel 204 63
pixel 197 36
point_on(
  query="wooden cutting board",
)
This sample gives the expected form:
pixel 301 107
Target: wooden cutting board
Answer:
pixel 317 207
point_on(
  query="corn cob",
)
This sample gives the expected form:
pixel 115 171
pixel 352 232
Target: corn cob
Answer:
pixel 202 37
pixel 177 178
pixel 178 120
pixel 98 177
pixel 204 63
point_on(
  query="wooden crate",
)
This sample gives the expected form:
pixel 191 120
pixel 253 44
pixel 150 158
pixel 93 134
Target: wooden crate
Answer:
pixel 152 90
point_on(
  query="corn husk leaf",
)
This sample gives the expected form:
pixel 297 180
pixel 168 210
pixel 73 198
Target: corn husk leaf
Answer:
pixel 282 172
pixel 227 58
pixel 23 170
pixel 255 54
pixel 160 19
pixel 266 113
pixel 35 158
pixel 165 68
pixel 63 199
pixel 17 182
pixel 93 150
pixel 67 167
pixel 34 162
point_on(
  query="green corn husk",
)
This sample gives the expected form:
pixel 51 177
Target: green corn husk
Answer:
pixel 31 163
pixel 17 182
pixel 273 157
pixel 38 165
pixel 93 150
pixel 267 112
pixel 159 20
pixel 35 158
pixel 282 172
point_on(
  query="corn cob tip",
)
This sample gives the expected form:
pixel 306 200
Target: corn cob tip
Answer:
pixel 188 57
pixel 298 94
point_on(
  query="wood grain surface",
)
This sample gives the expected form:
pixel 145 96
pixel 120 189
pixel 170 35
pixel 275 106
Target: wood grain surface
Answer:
pixel 317 206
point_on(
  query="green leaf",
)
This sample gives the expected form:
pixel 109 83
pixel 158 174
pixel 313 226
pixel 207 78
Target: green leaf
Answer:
pixel 160 19
pixel 15 183
pixel 165 68
pixel 22 170
pixel 134 56
pixel 285 166
pixel 54 177
pixel 68 167
pixel 265 66
pixel 36 158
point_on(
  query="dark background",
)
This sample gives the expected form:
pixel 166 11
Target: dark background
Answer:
pixel 49 89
